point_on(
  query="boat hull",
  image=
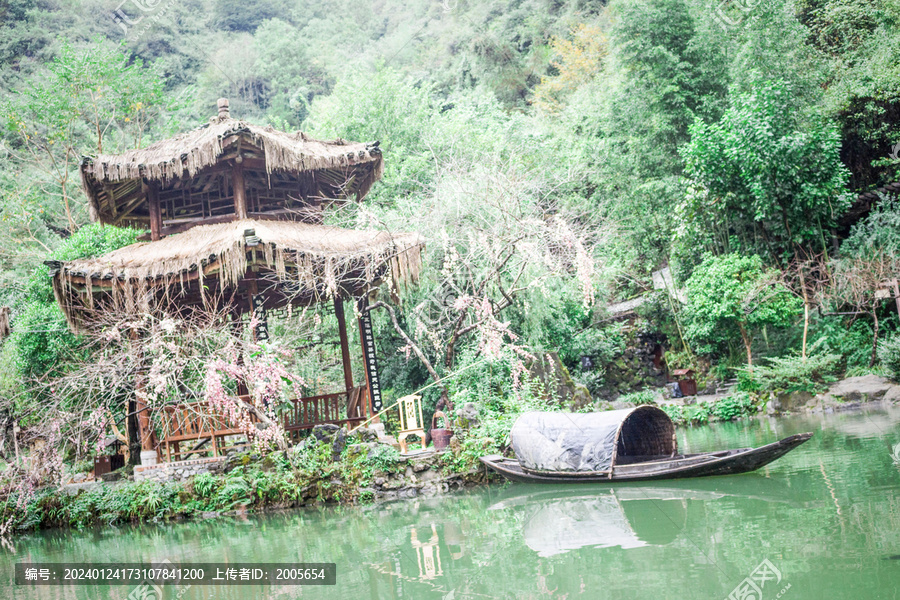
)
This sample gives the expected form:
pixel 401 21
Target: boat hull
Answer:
pixel 729 462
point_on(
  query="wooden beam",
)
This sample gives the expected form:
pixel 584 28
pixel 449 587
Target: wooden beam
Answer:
pixel 134 200
pixel 179 225
pixel 240 193
pixel 155 211
pixel 345 344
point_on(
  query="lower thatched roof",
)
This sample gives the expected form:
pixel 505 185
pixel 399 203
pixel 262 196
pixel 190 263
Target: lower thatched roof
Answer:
pixel 315 260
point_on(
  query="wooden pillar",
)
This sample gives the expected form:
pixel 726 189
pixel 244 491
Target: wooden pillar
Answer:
pixel 152 191
pixel 240 192
pixel 143 417
pixel 345 344
pixel 370 364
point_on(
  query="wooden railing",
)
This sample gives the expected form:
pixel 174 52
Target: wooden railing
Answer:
pixel 340 408
pixel 195 422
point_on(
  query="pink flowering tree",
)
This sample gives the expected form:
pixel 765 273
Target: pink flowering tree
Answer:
pixel 197 362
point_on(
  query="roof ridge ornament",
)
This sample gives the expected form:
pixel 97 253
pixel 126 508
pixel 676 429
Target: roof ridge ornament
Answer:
pixel 224 113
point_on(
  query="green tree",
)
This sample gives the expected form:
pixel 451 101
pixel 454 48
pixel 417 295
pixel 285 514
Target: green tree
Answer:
pixel 630 121
pixel 84 96
pixel 760 180
pixel 734 295
pixel 40 333
pixel 244 15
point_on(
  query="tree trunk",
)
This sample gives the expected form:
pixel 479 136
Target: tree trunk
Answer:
pixel 874 337
pixel 747 345
pixel 805 323
pixel 805 305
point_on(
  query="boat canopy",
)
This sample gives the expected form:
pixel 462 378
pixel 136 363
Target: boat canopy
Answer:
pixel 591 442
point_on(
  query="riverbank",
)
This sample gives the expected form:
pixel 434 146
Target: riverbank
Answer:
pixel 327 468
pixel 330 467
pixel 824 515
pixel 846 394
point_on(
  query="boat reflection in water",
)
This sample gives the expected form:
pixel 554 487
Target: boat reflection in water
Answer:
pixel 561 520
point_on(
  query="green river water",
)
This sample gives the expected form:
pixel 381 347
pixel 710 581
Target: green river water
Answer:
pixel 826 518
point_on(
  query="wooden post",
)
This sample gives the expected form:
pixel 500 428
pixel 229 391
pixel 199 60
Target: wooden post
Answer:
pixel 152 192
pixel 240 192
pixel 143 418
pixel 370 364
pixel 345 344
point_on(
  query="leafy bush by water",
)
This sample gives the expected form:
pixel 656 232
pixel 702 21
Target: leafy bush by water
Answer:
pixel 639 398
pixel 795 374
pixel 734 407
pixel 889 355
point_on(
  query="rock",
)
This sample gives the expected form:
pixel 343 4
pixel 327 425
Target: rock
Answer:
pixel 865 388
pixel 581 397
pixel 72 489
pixel 357 450
pixel 365 435
pixel 892 395
pixel 429 475
pixel 788 402
pixel 420 465
pixel 555 377
pixel 466 417
pixel 339 443
pixel 455 446
pixel 325 432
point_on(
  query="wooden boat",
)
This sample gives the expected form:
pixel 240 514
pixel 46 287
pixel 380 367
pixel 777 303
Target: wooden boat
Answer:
pixel 636 444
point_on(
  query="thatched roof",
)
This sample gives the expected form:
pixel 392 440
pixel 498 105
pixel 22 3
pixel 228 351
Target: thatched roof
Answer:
pixel 315 260
pixel 113 182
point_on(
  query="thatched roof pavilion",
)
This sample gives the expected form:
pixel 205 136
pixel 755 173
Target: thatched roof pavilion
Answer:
pixel 225 167
pixel 296 263
pixel 235 213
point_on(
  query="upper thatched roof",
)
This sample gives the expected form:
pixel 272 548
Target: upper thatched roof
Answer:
pixel 315 260
pixel 113 182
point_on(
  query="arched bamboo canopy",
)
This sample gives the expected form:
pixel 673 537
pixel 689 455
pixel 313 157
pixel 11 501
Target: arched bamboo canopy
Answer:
pixel 591 442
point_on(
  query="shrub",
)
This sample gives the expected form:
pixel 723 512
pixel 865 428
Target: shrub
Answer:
pixel 697 414
pixel 795 374
pixel 639 398
pixel 733 407
pixel 383 457
pixel 889 355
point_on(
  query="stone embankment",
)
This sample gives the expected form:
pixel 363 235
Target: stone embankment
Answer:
pixel 847 394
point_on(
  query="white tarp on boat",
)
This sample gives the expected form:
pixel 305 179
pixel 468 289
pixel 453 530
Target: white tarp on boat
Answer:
pixel 586 442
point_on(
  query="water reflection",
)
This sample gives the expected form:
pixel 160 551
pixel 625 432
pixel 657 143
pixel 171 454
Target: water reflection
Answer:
pixel 560 519
pixel 826 515
pixel 429 561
